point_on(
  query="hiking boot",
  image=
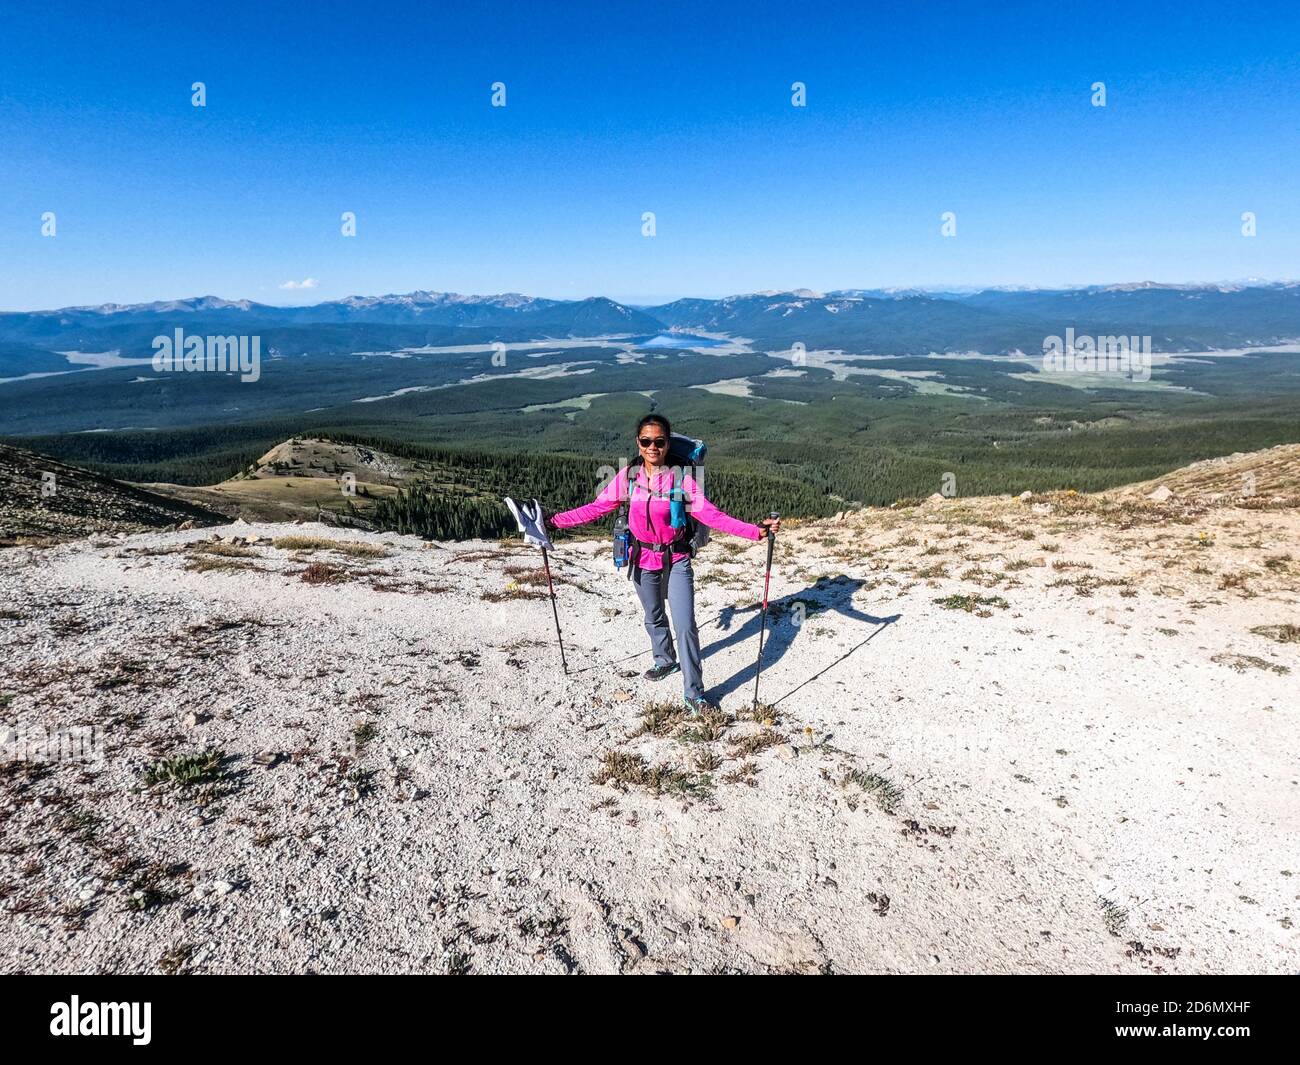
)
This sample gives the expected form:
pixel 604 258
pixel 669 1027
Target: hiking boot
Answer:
pixel 700 706
pixel 659 672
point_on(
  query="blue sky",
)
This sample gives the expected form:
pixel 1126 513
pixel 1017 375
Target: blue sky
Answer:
pixel 616 109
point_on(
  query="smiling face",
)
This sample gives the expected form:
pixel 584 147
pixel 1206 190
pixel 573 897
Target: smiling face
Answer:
pixel 653 442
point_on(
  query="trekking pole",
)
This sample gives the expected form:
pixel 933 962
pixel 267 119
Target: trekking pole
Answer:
pixel 762 625
pixel 546 562
pixel 532 523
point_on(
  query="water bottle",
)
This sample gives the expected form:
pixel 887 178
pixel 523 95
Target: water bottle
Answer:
pixel 621 541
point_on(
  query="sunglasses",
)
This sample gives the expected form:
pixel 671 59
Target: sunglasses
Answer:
pixel 657 441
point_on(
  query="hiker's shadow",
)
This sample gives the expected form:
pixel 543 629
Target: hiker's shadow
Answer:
pixel 787 618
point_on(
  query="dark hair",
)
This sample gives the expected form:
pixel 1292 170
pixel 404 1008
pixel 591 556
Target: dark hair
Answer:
pixel 654 419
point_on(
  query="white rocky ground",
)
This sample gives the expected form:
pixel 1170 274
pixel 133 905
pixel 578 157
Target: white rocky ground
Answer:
pixel 1099 776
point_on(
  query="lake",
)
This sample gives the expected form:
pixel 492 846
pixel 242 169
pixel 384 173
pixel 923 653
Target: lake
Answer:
pixel 680 340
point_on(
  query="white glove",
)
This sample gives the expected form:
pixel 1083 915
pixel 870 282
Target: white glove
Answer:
pixel 530 521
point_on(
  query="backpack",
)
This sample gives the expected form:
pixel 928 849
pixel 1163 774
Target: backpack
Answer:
pixel 683 451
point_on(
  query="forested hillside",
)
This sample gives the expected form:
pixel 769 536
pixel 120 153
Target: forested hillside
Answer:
pixel 807 440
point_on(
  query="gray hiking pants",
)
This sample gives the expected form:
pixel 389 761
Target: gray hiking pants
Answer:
pixel 681 601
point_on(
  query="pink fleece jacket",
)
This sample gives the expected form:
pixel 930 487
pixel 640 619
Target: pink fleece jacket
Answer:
pixel 659 527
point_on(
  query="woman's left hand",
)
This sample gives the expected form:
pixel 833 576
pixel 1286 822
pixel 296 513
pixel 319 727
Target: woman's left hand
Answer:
pixel 770 524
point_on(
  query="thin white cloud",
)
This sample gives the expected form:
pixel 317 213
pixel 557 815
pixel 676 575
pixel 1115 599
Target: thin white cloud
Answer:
pixel 309 282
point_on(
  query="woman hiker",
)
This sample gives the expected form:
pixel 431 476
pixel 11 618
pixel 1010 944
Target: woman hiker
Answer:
pixel 649 521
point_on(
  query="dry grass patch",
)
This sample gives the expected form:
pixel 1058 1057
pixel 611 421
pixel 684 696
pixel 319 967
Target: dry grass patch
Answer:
pixel 361 549
pixel 748 746
pixel 936 571
pixel 981 576
pixel 303 543
pixel 1087 584
pixel 1268 503
pixel 1114 917
pixel 353 548
pixel 533 575
pixel 483 556
pixel 886 793
pixel 218 563
pixel 624 770
pixel 670 720
pixel 706 760
pixel 763 713
pixel 1241 663
pixel 744 774
pixel 973 604
pixel 410 587
pixel 660 719
pixel 323 573
pixel 511 593
pixel 224 550
pixel 1285 633
pixel 705 727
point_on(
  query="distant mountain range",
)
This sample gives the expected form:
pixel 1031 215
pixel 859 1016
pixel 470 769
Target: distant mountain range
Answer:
pixel 541 317
pixel 999 321
pixel 863 321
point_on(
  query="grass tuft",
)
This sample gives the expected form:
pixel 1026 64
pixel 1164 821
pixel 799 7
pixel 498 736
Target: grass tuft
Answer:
pixel 886 793
pixel 972 603
pixel 224 550
pixel 660 719
pixel 1113 916
pixel 1285 633
pixel 186 770
pixel 1241 663
pixel 322 573
pixel 217 563
pixel 511 592
pixel 748 746
pixel 624 770
pixel 353 548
